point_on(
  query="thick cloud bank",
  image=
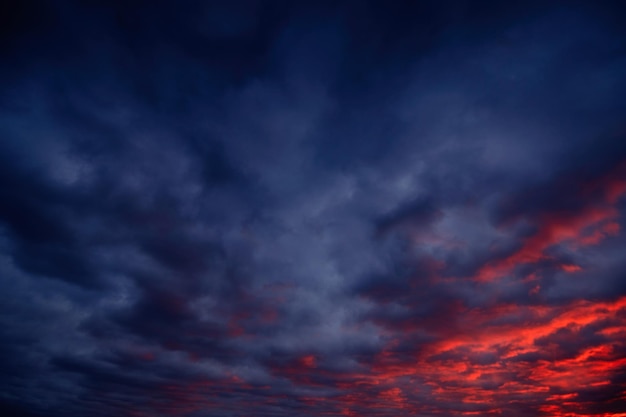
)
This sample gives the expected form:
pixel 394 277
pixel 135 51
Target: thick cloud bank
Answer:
pixel 267 208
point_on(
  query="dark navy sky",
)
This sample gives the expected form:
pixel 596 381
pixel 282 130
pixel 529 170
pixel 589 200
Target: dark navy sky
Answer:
pixel 329 208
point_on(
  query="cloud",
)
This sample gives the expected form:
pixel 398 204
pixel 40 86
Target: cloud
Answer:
pixel 354 209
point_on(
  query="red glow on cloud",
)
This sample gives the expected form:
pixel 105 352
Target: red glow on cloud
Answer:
pixel 616 190
pixel 571 268
pixel 308 361
pixel 553 229
pixel 596 222
pixel 526 364
pixel 614 184
pixel 487 359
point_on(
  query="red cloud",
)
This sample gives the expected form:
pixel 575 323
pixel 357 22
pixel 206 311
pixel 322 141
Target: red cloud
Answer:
pixel 596 221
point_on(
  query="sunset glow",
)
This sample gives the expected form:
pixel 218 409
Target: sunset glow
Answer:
pixel 268 208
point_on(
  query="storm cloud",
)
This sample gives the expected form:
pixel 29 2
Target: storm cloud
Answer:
pixel 272 208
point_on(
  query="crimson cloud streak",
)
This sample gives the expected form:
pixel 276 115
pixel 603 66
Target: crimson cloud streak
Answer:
pixel 342 208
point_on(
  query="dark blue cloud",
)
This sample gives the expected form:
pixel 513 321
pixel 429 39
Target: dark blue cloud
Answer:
pixel 321 208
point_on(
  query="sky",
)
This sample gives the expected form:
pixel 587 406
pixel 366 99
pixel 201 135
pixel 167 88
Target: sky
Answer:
pixel 312 208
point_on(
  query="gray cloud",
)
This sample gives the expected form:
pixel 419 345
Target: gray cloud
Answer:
pixel 274 209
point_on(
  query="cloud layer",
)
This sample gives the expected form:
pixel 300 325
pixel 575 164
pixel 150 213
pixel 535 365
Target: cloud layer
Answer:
pixel 354 209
